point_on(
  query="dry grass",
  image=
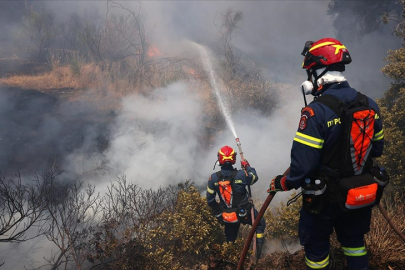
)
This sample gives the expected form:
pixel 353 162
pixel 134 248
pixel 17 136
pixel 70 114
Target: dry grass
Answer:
pixel 384 245
pixel 282 261
pixel 58 78
pixel 117 78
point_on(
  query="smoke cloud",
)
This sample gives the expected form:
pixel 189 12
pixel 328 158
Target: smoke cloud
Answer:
pixel 154 140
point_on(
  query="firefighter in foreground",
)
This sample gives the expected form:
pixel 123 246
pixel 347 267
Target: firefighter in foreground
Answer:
pixel 234 206
pixel 338 135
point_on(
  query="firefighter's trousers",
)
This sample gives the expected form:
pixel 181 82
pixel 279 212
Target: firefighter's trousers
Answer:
pixel 231 230
pixel 350 227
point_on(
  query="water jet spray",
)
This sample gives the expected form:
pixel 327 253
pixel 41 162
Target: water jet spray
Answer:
pixel 208 67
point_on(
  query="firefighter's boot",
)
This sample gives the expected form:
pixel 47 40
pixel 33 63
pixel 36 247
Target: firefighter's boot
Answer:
pixel 259 247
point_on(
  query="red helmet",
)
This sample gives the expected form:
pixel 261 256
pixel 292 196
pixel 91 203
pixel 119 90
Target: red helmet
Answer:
pixel 226 155
pixel 325 52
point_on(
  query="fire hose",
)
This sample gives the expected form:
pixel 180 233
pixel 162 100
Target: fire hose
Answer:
pixel 385 215
pixel 254 226
pixel 266 204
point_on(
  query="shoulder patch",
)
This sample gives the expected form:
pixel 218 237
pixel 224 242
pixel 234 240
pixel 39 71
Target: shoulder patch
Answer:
pixel 308 110
pixel 303 122
pixel 209 179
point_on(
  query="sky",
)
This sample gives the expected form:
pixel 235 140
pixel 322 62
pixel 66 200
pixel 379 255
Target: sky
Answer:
pixel 154 140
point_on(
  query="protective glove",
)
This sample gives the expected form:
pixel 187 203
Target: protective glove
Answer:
pixel 244 164
pixel 278 183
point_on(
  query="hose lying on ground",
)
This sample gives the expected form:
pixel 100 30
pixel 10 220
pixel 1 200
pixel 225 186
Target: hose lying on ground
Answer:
pixel 385 215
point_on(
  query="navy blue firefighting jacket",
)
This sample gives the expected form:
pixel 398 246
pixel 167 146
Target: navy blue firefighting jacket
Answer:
pixel 241 182
pixel 319 130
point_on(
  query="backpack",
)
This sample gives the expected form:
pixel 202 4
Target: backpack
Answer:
pixel 355 186
pixel 234 212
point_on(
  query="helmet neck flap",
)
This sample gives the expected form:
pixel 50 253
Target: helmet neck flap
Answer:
pixel 323 76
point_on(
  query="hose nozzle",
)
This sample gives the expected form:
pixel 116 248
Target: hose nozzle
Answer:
pixel 240 149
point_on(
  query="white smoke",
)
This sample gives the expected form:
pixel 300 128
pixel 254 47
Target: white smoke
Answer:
pixel 154 139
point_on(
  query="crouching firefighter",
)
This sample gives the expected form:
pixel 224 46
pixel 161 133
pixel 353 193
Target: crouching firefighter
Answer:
pixel 234 206
pixel 338 135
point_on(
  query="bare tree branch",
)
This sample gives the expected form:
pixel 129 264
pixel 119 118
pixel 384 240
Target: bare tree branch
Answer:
pixel 21 209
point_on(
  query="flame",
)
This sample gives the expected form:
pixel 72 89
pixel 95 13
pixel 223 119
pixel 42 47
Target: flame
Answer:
pixel 192 71
pixel 153 51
